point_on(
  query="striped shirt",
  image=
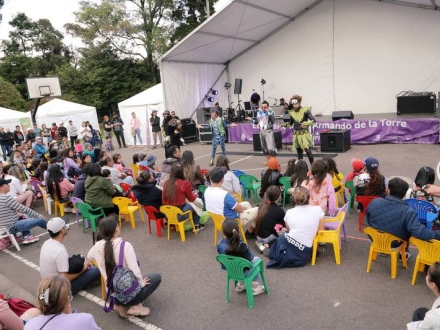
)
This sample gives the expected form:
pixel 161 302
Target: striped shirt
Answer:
pixel 8 211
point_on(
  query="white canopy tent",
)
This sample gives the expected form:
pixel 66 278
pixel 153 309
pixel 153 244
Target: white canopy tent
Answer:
pixel 142 105
pixel 57 111
pixel 11 118
pixel 338 54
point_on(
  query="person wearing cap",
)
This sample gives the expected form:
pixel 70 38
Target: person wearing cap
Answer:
pixel 118 129
pixel 149 161
pixel 221 202
pixel 357 165
pixel 155 128
pixel 393 215
pixel 54 259
pixel 271 176
pixel 72 130
pixel 301 119
pixel 371 182
pixel 10 219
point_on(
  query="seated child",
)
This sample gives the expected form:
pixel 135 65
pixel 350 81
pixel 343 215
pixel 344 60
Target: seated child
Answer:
pixel 270 176
pixel 78 147
pixel 232 245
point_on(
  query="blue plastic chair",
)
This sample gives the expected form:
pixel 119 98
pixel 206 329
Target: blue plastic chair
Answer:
pixel 237 173
pixel 426 211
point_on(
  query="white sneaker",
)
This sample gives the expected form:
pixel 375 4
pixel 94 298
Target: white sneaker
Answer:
pixel 258 290
pixel 240 287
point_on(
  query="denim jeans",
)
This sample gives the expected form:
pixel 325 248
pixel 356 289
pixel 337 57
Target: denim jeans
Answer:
pixel 187 207
pixel 26 225
pixel 155 279
pixel 85 279
pixel 246 272
pixel 137 132
pixel 5 150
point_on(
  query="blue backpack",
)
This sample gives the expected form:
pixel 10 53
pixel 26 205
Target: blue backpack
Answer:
pixel 123 284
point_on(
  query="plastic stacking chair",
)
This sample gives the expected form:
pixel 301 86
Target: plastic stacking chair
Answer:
pixel 237 173
pixel 340 193
pixel 172 213
pixel 285 182
pixel 103 286
pixel 143 168
pixel 238 197
pixel 125 186
pixel 426 211
pixel 74 201
pixel 332 236
pixel 202 188
pixel 4 233
pixel 218 221
pixel 92 215
pixel 251 184
pixel 135 169
pixel 58 205
pixel 47 200
pixel 381 243
pixel 429 252
pixel 365 201
pixel 350 185
pixel 151 212
pixel 235 268
pixel 127 207
pixel 333 225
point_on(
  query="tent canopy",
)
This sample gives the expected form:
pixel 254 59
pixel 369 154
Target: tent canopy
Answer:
pixel 11 118
pixel 327 51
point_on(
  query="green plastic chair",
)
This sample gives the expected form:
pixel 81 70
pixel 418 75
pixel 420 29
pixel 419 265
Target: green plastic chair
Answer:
pixel 285 182
pixel 235 267
pixel 92 215
pixel 202 188
pixel 350 185
pixel 251 184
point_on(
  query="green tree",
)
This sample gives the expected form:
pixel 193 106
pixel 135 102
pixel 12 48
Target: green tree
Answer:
pixel 10 97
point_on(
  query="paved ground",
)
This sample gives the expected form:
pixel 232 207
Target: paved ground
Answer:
pixel 192 294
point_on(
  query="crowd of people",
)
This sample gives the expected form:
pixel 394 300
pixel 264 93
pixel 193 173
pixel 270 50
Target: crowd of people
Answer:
pixel 92 172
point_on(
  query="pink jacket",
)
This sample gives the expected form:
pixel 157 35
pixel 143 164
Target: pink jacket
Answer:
pixel 324 196
pixel 135 122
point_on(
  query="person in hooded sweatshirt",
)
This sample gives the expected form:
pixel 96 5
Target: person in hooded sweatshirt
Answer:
pixel 100 191
pixel 165 169
pixel 146 192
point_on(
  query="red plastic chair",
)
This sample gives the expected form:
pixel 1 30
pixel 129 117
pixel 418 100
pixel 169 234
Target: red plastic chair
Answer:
pixel 364 201
pixel 125 186
pixel 204 171
pixel 151 212
pixel 144 168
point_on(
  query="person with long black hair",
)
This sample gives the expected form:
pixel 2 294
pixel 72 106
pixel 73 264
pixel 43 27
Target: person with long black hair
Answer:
pixel 192 172
pixel 424 185
pixel 57 183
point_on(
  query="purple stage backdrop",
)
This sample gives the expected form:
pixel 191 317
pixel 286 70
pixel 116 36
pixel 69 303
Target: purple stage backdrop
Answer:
pixel 419 131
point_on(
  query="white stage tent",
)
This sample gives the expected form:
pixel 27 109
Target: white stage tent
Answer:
pixel 142 105
pixel 57 111
pixel 11 118
pixel 338 54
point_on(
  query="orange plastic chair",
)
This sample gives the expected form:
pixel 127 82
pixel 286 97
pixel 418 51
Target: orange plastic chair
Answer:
pixel 381 243
pixel 364 201
pixel 127 208
pixel 429 253
pixel 103 286
pixel 330 236
pixel 171 213
pixel 151 212
pixel 218 222
pixel 125 186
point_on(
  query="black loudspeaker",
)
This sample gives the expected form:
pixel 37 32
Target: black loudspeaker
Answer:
pixel 237 87
pixel 189 130
pixel 257 143
pixel 335 140
pixel 342 115
pixel 416 104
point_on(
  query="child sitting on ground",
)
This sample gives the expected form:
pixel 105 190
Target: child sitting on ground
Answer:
pixel 232 245
pixel 269 216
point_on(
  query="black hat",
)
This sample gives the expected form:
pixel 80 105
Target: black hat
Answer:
pixel 217 174
pixel 4 181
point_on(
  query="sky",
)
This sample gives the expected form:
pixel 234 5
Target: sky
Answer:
pixel 59 12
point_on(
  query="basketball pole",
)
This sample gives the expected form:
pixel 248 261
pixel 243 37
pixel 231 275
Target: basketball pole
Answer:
pixel 34 111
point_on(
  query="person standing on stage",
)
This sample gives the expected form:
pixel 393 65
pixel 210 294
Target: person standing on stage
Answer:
pixel 301 119
pixel 218 127
pixel 266 119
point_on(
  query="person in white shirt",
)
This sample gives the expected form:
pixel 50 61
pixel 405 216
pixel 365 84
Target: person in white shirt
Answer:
pixel 116 176
pixel 17 190
pixel 73 133
pixel 424 318
pixel 54 259
pixel 231 182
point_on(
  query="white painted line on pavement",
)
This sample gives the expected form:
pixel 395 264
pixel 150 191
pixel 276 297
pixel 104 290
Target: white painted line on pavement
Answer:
pixel 202 156
pixel 133 319
pixel 240 160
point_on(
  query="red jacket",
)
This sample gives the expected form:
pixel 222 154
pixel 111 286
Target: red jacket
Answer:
pixel 183 189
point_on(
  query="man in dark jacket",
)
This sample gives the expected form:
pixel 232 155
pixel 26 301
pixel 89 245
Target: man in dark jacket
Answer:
pixel 5 143
pixel 146 191
pixel 393 215
pixel 155 128
pixel 165 169
pixel 62 131
pixel 18 135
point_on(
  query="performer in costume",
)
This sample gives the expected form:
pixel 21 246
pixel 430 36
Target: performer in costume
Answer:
pixel 218 127
pixel 301 118
pixel 266 119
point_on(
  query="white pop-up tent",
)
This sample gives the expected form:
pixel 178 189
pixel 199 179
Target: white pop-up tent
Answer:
pixel 142 105
pixel 338 54
pixel 11 118
pixel 57 111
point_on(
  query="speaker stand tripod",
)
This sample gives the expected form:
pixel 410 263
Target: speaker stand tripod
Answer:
pixel 239 110
pixel 285 140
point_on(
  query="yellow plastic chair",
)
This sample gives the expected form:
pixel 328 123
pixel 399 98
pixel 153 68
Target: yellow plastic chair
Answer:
pixel 381 243
pixel 330 236
pixel 340 193
pixel 58 205
pixel 172 213
pixel 103 286
pixel 127 207
pixel 135 169
pixel 238 197
pixel 218 221
pixel 429 253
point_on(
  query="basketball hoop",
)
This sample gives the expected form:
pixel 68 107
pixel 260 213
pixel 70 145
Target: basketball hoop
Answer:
pixel 49 95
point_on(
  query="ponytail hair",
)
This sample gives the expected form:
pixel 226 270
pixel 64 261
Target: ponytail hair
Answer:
pixel 106 230
pixel 230 231
pixel 273 194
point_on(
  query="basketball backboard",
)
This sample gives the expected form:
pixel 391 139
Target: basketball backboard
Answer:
pixel 41 87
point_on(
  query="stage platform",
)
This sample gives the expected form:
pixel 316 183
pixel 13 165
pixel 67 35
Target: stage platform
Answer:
pixel 365 129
